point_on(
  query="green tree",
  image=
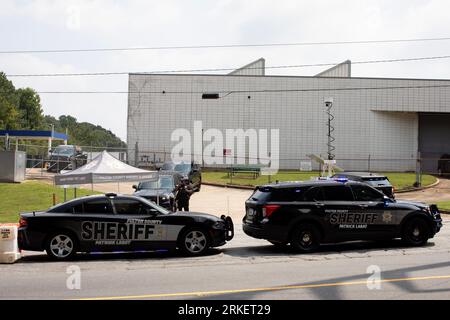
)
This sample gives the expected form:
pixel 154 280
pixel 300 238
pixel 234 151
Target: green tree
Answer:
pixel 68 122
pixel 9 114
pixel 84 133
pixel 21 109
pixel 30 109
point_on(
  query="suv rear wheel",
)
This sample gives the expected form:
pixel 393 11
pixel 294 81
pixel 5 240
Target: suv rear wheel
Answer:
pixel 305 238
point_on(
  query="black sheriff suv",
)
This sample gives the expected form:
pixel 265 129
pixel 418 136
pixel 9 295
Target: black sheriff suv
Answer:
pixel 307 214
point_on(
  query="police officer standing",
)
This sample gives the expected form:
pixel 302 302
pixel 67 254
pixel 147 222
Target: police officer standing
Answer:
pixel 183 195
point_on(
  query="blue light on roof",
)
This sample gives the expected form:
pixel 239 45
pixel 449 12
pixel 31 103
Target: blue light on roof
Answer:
pixel 341 179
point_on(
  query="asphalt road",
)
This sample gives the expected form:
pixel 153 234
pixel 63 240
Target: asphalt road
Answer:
pixel 245 268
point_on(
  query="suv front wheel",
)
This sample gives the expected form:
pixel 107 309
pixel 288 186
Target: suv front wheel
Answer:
pixel 305 238
pixel 415 232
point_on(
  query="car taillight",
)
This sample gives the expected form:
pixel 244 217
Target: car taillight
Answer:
pixel 23 222
pixel 268 210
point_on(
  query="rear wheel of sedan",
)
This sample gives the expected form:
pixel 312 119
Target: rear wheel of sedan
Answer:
pixel 305 238
pixel 61 246
pixel 416 232
pixel 194 242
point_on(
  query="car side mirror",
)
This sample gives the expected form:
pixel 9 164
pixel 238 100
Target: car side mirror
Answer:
pixel 386 201
pixel 134 187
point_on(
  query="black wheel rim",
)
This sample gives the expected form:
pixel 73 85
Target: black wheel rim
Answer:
pixel 416 232
pixel 306 239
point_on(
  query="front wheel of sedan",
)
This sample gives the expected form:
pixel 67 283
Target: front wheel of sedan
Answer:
pixel 194 242
pixel 61 246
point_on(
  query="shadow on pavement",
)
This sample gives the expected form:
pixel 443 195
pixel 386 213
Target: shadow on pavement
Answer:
pixel 335 292
pixel 115 256
pixel 346 247
pixel 240 252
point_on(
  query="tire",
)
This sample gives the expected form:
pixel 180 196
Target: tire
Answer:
pixel 194 242
pixel 305 238
pixel 278 244
pixel 416 232
pixel 61 246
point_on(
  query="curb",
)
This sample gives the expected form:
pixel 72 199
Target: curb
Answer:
pixel 421 188
pixel 233 186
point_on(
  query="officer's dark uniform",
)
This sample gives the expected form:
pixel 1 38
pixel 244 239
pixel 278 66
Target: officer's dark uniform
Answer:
pixel 184 192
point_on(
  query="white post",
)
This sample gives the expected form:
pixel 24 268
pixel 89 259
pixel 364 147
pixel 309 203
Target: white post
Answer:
pixel 49 146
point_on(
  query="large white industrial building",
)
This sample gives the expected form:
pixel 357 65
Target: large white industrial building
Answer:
pixel 380 124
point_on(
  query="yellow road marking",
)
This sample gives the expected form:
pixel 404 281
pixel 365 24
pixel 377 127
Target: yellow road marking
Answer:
pixel 280 288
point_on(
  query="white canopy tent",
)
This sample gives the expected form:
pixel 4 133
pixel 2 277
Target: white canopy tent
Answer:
pixel 103 169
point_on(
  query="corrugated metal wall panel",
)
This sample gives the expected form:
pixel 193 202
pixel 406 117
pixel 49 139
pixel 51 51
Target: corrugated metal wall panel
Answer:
pixel 380 123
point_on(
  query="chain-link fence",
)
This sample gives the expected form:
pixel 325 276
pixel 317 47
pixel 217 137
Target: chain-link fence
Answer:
pixel 42 163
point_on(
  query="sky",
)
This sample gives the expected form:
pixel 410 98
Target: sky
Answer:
pixel 86 24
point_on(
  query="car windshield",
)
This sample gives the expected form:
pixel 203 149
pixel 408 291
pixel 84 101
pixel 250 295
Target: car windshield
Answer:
pixel 164 182
pixel 183 168
pixel 59 206
pixel 63 150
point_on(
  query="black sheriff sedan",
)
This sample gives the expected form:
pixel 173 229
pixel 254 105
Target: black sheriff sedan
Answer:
pixel 307 214
pixel 108 223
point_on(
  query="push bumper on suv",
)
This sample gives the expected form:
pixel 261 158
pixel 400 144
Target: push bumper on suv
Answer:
pixel 437 219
